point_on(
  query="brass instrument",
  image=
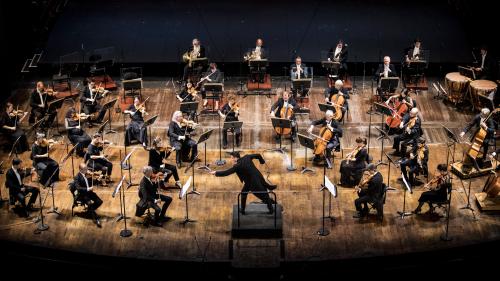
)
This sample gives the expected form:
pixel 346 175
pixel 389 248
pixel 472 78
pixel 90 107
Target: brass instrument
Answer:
pixel 253 55
pixel 189 56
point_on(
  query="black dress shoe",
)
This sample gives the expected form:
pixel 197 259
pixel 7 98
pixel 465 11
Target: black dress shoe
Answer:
pixel 224 146
pixel 271 211
pixel 166 219
pixel 358 215
pixel 98 223
pixel 156 223
pixel 242 211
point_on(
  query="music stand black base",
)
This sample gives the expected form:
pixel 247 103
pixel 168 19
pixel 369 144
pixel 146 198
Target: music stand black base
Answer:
pixel 305 169
pixel 54 211
pixel 220 162
pixel 194 192
pixel 125 233
pixel 186 221
pixel 323 232
pixel 445 238
pixel 42 227
pixel 291 168
pixel 404 214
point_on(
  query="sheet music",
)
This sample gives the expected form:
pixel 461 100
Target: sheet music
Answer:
pixel 330 186
pixel 185 187
pixel 406 183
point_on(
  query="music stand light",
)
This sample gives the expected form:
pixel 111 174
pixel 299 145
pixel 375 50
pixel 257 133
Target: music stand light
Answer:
pixel 306 142
pixel 126 163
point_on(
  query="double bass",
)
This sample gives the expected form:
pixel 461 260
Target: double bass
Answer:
pixel 479 136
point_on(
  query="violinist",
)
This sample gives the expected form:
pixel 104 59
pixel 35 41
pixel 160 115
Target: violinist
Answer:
pixel 77 136
pixel 178 132
pixel 337 96
pixel 46 167
pixel 90 98
pixel 411 131
pixel 416 162
pixel 136 129
pixel 149 198
pixel 351 168
pixel 400 103
pixel 230 112
pixel 9 123
pixel 212 75
pixel 481 120
pixel 333 126
pixel 85 192
pixel 96 160
pixel 285 107
pixel 38 103
pixel 437 194
pixel 17 189
pixel 370 190
pixel 158 161
pixel 188 94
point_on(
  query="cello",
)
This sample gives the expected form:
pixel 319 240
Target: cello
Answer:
pixel 479 136
pixel 285 113
pixel 321 141
pixel 398 111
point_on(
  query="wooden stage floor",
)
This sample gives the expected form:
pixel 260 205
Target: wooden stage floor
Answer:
pixel 298 193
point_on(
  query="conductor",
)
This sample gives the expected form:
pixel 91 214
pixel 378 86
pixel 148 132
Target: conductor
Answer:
pixel 251 177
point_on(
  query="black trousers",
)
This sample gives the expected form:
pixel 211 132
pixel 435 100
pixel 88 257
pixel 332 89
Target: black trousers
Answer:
pixel 237 136
pixel 101 165
pixel 184 148
pixel 81 140
pixel 92 200
pixel 21 197
pixel 94 108
pixel 401 141
pixel 362 201
pixel 22 145
pixel 169 170
pixel 262 195
pixel 48 171
pixel 409 175
pixel 160 212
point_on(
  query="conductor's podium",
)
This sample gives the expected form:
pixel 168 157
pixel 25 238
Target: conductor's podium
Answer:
pixel 257 222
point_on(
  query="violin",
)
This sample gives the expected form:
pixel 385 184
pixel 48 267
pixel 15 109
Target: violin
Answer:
pixel 47 142
pixel 188 123
pixel 364 181
pixel 436 180
pixel 20 113
pixel 50 92
pixel 101 143
pixel 352 155
pixel 80 116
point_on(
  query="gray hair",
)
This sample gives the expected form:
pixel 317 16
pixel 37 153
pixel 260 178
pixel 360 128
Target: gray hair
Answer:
pixel 175 115
pixel 147 169
pixel 485 111
pixel 329 112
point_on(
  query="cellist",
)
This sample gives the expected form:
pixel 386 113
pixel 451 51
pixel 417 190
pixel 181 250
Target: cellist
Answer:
pixel 411 130
pixel 481 120
pixel 285 107
pixel 338 96
pixel 401 104
pixel 327 123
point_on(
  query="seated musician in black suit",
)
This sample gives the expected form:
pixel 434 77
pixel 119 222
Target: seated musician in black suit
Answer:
pixel 212 75
pixel 229 113
pixel 257 53
pixel 351 168
pixel 370 190
pixel 96 160
pixel 178 132
pixel 195 51
pixel 77 136
pixel 479 121
pixel 86 192
pixel 17 189
pixel 90 99
pixel 136 129
pixel 333 126
pixel 9 126
pixel 282 109
pixel 149 198
pixel 410 131
pixel 252 179
pixel 158 161
pixel 486 64
pixel 299 70
pixel 39 100
pixel 384 70
pixel 46 167
pixel 437 194
pixel 416 162
pixel 339 54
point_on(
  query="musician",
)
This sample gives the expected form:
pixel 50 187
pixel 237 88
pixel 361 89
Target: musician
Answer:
pixel 46 167
pixel 339 54
pixel 178 132
pixel 486 64
pixel 374 183
pixel 384 70
pixel 17 189
pixel 479 121
pixel 351 168
pixel 279 108
pixel 90 98
pixel 188 93
pixel 437 194
pixel 403 97
pixel 9 123
pixel 334 127
pixel 230 112
pixel 401 104
pixel 411 130
pixel 39 107
pixel 85 191
pixel 416 162
pixel 195 51
pixel 413 53
pixel 136 129
pixel 257 53
pixel 76 134
pixel 338 96
pixel 299 70
pixel 253 180
pixel 149 198
pixel 158 161
pixel 96 160
pixel 213 75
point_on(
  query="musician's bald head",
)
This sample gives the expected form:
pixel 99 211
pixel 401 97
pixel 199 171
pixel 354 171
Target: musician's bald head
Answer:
pixel 82 167
pixel 387 60
pixel 414 112
pixel 259 42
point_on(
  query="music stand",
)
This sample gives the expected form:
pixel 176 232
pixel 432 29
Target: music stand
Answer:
pixel 258 65
pixel 327 185
pixel 147 124
pixel 100 130
pixel 191 166
pixel 132 85
pixel 234 125
pixel 54 106
pixel 284 124
pixel 184 194
pixel 215 90
pixel 383 136
pixel 406 187
pixel 70 153
pixel 302 84
pixel 453 140
pixel 306 142
pixel 189 107
pixel 324 107
pixel 203 138
pixel 126 161
pixel 14 147
pixel 107 106
pixel 388 84
pixel 389 187
pixel 124 232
